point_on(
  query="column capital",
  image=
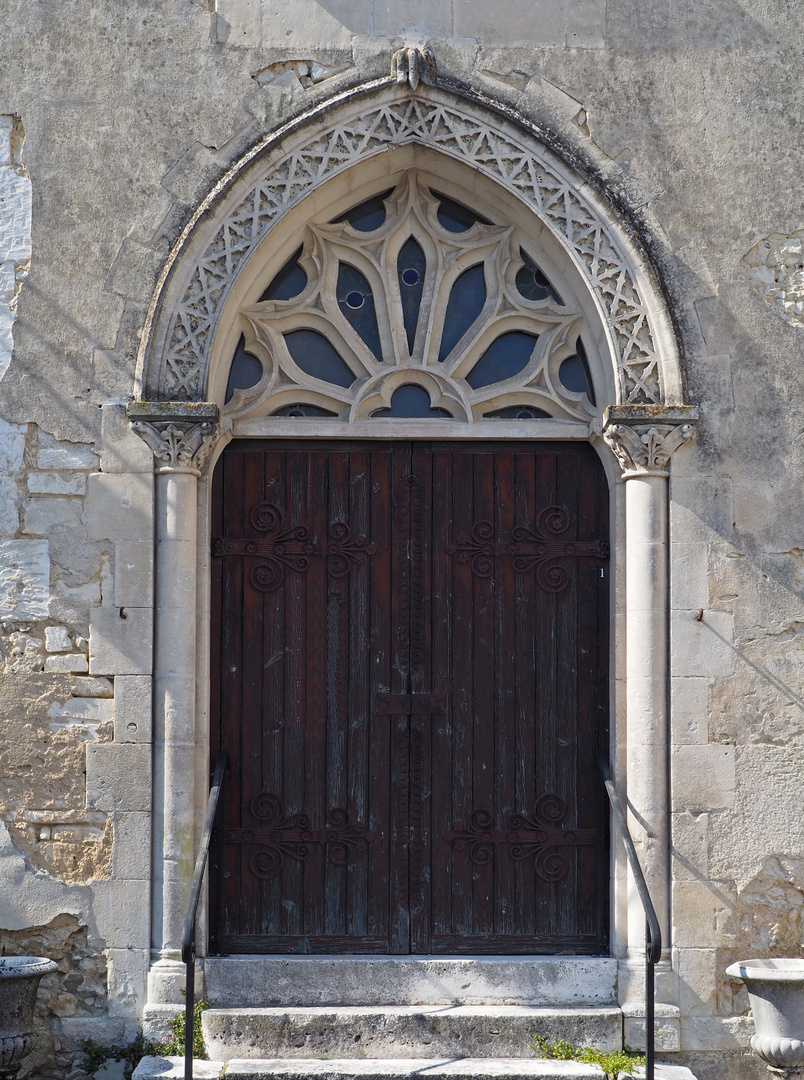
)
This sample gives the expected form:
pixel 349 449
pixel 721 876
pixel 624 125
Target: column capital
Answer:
pixel 182 434
pixel 645 437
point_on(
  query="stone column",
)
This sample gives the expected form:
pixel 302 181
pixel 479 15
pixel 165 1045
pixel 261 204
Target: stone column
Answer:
pixel 644 439
pixel 182 436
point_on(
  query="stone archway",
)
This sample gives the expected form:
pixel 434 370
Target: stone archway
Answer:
pixel 180 363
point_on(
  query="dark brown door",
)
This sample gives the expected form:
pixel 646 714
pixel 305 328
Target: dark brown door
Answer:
pixel 410 676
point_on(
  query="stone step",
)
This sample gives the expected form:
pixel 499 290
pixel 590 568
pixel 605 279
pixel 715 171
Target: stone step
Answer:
pixel 370 1069
pixel 554 981
pixel 404 1031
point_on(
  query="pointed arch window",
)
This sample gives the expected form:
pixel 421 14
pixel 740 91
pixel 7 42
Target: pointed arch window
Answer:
pixel 413 304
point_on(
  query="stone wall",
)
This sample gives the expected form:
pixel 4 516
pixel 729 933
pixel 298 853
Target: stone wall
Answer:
pixel 130 116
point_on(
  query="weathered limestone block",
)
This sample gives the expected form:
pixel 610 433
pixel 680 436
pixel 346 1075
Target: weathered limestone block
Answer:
pixel 702 646
pixel 689 584
pixel 122 910
pixel 15 230
pixel 690 845
pixel 119 506
pixel 121 643
pixel 716 1032
pixel 703 914
pixel 132 708
pixel 131 853
pixel 41 515
pixel 121 450
pixel 133 573
pixel 689 709
pixel 766 816
pixel 57 639
pixel 76 662
pixel 52 483
pixel 9 513
pixel 24 579
pixel 53 454
pixel 698 980
pixel 667 1026
pixel 81 711
pixel 127 980
pixel 703 777
pixel 118 777
pixel 12 448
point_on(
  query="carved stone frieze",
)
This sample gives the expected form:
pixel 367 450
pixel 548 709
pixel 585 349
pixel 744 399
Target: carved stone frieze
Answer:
pixel 181 437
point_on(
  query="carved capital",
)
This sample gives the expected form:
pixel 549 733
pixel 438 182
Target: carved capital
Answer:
pixel 182 435
pixel 413 66
pixel 645 450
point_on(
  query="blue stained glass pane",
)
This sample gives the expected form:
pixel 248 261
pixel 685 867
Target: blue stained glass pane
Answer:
pixel 367 216
pixel 289 282
pixel 574 373
pixel 411 267
pixel 317 357
pixel 465 303
pixel 356 301
pixel 455 217
pixel 532 283
pixel 300 409
pixel 505 357
pixel 246 370
pixel 412 401
pixel 519 412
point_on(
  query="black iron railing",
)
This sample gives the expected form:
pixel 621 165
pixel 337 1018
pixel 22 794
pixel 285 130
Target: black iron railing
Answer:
pixel 653 933
pixel 188 936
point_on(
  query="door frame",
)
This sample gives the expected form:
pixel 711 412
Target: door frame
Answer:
pixel 635 441
pixel 403 922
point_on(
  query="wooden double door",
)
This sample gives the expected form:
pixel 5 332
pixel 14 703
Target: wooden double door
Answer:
pixel 410 677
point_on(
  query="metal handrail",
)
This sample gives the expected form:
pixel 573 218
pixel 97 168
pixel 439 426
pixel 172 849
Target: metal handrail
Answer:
pixel 188 935
pixel 653 933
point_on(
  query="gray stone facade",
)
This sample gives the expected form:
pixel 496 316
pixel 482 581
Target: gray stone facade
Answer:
pixel 129 137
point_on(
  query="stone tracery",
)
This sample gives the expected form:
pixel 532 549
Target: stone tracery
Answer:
pixel 455 131
pixel 393 306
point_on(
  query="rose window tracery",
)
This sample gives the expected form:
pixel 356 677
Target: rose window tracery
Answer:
pixel 412 305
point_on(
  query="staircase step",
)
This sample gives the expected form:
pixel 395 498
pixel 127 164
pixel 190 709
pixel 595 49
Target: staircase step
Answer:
pixel 410 980
pixel 152 1068
pixel 434 1031
pixel 433 1069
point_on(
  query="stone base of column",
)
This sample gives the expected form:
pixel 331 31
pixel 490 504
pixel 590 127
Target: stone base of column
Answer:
pixel 166 980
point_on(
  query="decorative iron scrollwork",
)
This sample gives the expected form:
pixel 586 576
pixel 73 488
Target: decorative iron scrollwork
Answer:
pixel 538 836
pixel 541 548
pixel 280 836
pixel 289 548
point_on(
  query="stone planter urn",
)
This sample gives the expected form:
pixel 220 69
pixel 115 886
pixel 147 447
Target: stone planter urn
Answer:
pixel 776 992
pixel 19 980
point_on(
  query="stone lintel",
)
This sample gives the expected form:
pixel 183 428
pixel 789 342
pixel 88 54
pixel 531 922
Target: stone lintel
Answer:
pixel 650 414
pixel 159 412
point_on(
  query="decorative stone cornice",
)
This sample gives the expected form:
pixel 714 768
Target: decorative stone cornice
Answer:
pixel 645 437
pixel 412 65
pixel 182 434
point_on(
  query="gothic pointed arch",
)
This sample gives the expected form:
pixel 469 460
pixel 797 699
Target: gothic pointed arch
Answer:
pixel 568 319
